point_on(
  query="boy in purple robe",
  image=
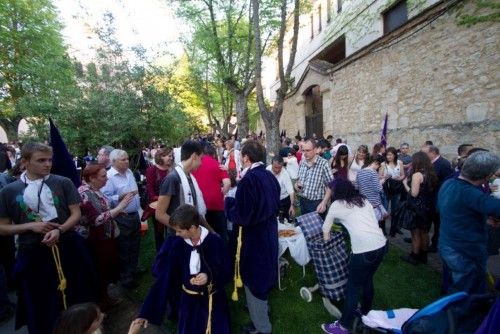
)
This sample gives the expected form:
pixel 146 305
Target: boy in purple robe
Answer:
pixel 254 212
pixel 191 270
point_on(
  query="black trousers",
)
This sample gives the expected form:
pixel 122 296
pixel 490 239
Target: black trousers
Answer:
pixel 285 204
pixel 129 244
pixel 217 220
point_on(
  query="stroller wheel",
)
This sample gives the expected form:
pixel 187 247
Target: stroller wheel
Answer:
pixel 306 294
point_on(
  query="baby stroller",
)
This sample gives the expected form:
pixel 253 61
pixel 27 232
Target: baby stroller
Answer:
pixel 458 313
pixel 330 260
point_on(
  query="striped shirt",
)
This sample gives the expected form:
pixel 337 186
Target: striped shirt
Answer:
pixel 369 185
pixel 314 178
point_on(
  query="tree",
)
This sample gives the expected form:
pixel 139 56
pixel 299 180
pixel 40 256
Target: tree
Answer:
pixel 271 115
pixel 217 100
pixel 223 34
pixel 121 103
pixel 35 72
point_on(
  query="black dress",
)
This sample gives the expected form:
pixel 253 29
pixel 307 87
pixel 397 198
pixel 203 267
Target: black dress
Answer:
pixel 423 206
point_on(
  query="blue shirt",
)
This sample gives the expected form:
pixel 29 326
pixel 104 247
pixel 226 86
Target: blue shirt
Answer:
pixel 119 184
pixel 464 209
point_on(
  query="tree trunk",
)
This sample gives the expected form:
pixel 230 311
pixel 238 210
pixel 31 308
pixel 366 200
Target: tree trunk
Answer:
pixel 273 140
pixel 225 128
pixel 242 114
pixel 10 127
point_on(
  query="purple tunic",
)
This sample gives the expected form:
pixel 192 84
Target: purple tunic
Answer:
pixel 172 273
pixel 255 207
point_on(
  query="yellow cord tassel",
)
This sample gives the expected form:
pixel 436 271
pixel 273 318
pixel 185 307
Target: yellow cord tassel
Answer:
pixel 62 280
pixel 238 283
pixel 490 279
pixel 210 302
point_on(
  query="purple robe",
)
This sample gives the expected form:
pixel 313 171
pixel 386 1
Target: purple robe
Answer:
pixel 172 273
pixel 255 208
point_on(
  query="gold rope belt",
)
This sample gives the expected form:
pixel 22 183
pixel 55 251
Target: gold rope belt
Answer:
pixel 238 282
pixel 62 280
pixel 210 303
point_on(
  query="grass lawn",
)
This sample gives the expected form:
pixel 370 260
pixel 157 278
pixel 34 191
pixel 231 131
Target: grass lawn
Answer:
pixel 397 284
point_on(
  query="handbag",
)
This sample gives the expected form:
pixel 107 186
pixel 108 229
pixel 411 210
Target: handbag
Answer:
pixel 406 215
pixel 393 187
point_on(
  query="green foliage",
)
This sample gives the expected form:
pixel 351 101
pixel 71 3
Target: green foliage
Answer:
pixel 120 103
pixel 35 72
pixel 483 11
pixel 220 52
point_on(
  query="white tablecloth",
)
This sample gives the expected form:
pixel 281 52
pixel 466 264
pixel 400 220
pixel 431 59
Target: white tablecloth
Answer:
pixel 296 244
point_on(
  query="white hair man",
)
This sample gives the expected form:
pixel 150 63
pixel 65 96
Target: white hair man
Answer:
pixel 121 182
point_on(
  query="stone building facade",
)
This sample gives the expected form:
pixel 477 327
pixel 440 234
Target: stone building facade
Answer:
pixel 435 79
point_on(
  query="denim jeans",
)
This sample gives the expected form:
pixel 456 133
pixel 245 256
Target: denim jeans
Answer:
pixel 308 205
pixel 463 273
pixel 394 201
pixel 362 268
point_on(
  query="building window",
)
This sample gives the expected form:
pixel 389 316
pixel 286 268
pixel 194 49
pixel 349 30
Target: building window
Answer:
pixel 312 26
pixel 328 10
pixel 395 16
pixel 319 19
pixel 333 53
pixel 339 6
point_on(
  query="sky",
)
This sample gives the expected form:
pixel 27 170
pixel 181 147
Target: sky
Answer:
pixel 150 23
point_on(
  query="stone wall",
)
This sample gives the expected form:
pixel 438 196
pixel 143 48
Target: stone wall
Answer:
pixel 440 82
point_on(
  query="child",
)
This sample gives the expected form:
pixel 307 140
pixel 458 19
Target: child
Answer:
pixel 80 319
pixel 191 271
pixel 87 318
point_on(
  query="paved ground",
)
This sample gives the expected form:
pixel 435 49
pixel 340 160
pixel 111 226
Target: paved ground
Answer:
pixel 434 261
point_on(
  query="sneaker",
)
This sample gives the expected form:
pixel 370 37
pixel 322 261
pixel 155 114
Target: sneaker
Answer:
pixel 334 328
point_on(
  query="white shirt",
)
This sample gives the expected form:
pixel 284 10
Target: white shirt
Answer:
pixel 366 235
pixel 285 182
pixel 177 155
pixel 393 172
pixel 119 184
pixel 38 197
pixel 353 171
pixel 194 258
pixel 292 167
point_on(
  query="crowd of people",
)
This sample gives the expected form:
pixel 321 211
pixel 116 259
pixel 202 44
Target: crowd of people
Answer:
pixel 214 208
